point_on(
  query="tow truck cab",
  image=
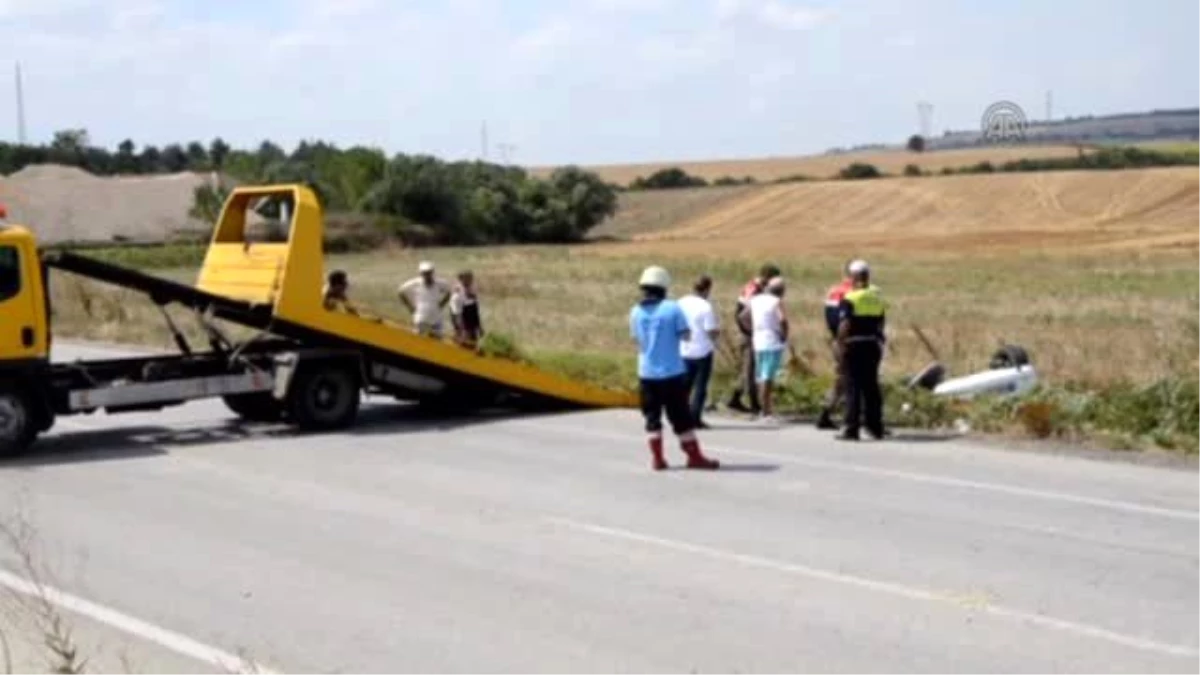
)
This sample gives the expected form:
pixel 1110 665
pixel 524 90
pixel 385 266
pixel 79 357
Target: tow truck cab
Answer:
pixel 24 304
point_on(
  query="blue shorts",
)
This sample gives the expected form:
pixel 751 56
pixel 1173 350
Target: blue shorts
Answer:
pixel 766 364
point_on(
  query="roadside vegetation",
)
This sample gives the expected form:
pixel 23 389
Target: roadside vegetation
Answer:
pixel 1115 338
pixel 1101 158
pixel 416 199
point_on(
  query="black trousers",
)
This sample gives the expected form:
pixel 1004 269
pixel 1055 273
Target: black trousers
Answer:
pixel 746 382
pixel 699 371
pixel 671 395
pixel 863 395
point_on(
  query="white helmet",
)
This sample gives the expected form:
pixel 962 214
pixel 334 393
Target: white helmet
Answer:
pixel 655 276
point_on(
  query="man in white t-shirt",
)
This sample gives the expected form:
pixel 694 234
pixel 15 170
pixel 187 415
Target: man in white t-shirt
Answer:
pixel 769 334
pixel 425 297
pixel 697 350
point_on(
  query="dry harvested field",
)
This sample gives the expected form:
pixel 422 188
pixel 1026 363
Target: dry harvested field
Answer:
pixel 1015 213
pixel 1096 272
pixel 824 166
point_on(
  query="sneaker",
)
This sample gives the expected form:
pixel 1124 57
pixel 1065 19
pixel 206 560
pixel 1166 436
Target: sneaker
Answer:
pixel 768 419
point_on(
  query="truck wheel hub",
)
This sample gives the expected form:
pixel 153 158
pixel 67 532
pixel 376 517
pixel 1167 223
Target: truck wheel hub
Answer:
pixel 326 394
pixel 12 417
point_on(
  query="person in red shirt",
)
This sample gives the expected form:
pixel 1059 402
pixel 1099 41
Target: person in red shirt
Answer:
pixel 833 299
pixel 746 381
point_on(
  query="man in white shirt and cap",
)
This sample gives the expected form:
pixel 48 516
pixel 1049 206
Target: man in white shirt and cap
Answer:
pixel 425 296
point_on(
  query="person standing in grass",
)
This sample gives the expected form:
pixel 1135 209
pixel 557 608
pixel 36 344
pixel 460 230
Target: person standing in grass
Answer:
pixel 464 311
pixel 746 381
pixel 658 325
pixel 862 317
pixel 833 302
pixel 697 350
pixel 335 295
pixel 425 296
pixel 770 334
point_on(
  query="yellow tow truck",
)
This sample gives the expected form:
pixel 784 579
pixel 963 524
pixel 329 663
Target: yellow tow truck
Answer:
pixel 305 365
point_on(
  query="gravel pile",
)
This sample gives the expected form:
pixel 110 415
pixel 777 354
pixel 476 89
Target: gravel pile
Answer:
pixel 67 204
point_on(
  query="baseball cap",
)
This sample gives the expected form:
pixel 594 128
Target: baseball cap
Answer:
pixel 425 266
pixel 858 267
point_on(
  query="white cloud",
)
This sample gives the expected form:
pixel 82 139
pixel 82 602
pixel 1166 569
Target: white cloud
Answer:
pixel 630 6
pixel 778 14
pixel 330 9
pixel 788 17
pixel 546 38
pixel 18 9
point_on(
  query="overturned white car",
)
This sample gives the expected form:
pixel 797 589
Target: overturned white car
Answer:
pixel 1009 373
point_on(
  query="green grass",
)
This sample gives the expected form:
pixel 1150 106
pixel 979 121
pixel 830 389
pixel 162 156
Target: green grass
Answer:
pixel 1120 330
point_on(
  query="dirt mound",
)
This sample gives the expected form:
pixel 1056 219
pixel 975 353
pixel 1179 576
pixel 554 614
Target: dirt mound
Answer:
pixel 1068 209
pixel 64 203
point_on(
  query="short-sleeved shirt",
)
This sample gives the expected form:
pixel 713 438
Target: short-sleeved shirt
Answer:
pixel 427 300
pixel 658 326
pixel 833 303
pixel 701 319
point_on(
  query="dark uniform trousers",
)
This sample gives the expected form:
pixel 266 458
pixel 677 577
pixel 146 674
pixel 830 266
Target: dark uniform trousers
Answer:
pixel 864 310
pixel 864 397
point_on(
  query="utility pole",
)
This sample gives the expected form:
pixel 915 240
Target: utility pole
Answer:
pixel 925 118
pixel 506 150
pixel 483 140
pixel 1049 105
pixel 20 108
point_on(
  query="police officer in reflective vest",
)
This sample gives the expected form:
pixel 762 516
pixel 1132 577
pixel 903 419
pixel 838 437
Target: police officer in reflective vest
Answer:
pixel 861 339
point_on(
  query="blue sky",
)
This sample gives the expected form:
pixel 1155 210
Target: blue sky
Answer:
pixel 585 81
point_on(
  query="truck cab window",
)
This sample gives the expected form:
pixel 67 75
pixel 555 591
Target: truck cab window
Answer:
pixel 10 272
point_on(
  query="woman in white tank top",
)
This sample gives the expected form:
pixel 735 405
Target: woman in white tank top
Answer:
pixel 769 336
pixel 766 320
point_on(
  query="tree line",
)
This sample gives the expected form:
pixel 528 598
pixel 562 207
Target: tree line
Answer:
pixel 460 202
pixel 1104 158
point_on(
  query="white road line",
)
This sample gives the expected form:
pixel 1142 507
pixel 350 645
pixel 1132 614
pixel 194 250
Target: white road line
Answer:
pixel 1002 488
pixel 180 644
pixel 1049 495
pixel 891 588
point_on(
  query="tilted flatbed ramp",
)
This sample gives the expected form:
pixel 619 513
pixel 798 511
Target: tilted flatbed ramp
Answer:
pixel 400 359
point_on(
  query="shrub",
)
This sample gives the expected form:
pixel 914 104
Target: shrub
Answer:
pixel 860 170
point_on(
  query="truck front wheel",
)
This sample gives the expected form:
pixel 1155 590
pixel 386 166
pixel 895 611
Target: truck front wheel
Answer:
pixel 324 396
pixel 18 426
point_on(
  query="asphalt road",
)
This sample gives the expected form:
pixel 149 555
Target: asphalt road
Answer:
pixel 540 544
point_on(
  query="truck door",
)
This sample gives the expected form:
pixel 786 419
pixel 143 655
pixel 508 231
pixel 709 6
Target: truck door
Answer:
pixel 21 318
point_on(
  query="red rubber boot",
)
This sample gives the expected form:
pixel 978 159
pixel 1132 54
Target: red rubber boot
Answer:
pixel 696 459
pixel 656 450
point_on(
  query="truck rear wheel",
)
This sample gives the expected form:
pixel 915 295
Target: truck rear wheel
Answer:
pixel 324 396
pixel 259 406
pixel 18 426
